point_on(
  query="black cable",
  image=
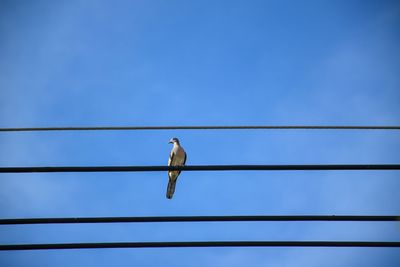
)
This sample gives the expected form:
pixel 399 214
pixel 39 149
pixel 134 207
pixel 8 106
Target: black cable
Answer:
pixel 159 219
pixel 245 127
pixel 312 167
pixel 200 244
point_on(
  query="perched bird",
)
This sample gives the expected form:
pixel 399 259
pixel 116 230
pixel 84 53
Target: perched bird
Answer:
pixel 177 157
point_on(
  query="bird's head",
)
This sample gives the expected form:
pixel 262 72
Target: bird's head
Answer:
pixel 174 141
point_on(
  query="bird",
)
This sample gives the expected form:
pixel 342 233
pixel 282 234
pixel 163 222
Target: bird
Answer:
pixel 177 157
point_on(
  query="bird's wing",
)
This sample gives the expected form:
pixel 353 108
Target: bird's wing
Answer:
pixel 172 174
pixel 184 160
pixel 171 158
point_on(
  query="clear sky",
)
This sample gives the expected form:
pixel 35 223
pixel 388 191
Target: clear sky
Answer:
pixel 94 63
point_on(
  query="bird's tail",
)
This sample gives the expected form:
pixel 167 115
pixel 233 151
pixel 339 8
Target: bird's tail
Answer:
pixel 171 188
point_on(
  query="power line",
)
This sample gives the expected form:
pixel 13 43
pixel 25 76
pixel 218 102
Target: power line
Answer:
pixel 200 244
pixel 162 219
pixel 245 127
pixel 312 167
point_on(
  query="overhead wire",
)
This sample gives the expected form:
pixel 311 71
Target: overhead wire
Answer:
pixel 297 167
pixel 165 219
pixel 193 244
pixel 204 127
pixel 18 221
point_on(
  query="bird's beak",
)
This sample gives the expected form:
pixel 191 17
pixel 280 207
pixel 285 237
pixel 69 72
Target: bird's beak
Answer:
pixel 170 142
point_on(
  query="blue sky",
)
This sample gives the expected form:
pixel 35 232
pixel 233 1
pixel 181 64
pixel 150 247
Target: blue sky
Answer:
pixel 94 63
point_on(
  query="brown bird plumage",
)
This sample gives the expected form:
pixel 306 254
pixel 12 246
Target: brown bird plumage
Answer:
pixel 177 157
